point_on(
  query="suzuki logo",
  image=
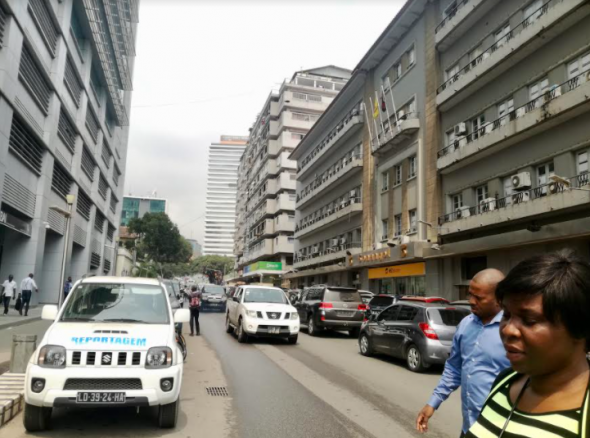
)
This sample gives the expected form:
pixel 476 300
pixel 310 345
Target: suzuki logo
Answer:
pixel 106 359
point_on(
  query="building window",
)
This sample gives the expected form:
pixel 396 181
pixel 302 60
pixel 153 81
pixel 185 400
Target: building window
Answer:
pixel 114 203
pixel 398 225
pixel 470 266
pixel 84 205
pixel 61 183
pixel 411 56
pixel 502 35
pixel 413 167
pixel 481 193
pixel 582 162
pixel 95 83
pixel 66 131
pixel 106 154
pixel 25 145
pixel 543 173
pixel 450 135
pixel 413 216
pixel 451 72
pixel 384 226
pixel 73 82
pixel 457 201
pixel 43 19
pixel 533 11
pixel 475 53
pixel 578 66
pixel 87 164
pixel 116 175
pixel 34 81
pixel 477 125
pixel 538 89
pixel 385 181
pixel 92 124
pixel 504 109
pixel 103 187
pixel 3 19
pixel 397 171
pixel 508 189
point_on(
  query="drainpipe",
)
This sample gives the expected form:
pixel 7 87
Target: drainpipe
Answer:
pixel 422 234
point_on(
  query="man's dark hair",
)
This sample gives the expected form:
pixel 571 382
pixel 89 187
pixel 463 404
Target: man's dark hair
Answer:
pixel 563 279
pixel 194 288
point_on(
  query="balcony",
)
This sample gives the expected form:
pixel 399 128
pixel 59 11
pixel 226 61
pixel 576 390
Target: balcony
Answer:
pixel 286 140
pixel 327 180
pixel 328 255
pixel 267 209
pixel 562 102
pixel 284 245
pixel 407 126
pixel 344 211
pixel 459 19
pixel 297 121
pixel 282 183
pixel 298 100
pixel 284 202
pixel 550 20
pixel 349 125
pixel 263 249
pixel 545 199
pixel 284 224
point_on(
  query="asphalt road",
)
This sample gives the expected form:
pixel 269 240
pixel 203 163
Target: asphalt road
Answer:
pixel 321 387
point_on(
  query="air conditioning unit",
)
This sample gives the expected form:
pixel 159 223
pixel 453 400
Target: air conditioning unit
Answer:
pixel 334 242
pixel 521 197
pixel 461 129
pixel 353 193
pixel 521 181
pixel 343 204
pixel 463 212
pixel 316 249
pixel 343 241
pixel 488 204
pixel 405 240
pixel 401 114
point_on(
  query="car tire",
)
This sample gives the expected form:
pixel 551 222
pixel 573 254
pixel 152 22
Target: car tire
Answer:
pixel 36 418
pixel 292 340
pixel 168 415
pixel 415 360
pixel 242 336
pixel 228 327
pixel 365 345
pixel 354 333
pixel 311 328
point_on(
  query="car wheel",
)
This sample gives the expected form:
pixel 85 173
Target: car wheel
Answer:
pixel 311 329
pixel 36 418
pixel 293 340
pixel 168 415
pixel 242 336
pixel 415 360
pixel 354 333
pixel 228 327
pixel 365 345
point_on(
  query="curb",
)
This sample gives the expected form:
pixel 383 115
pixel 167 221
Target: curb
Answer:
pixel 12 388
pixel 21 322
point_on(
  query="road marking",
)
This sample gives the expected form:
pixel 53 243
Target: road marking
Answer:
pixel 356 409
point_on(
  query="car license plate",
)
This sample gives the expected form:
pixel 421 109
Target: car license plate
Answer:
pixel 344 314
pixel 274 330
pixel 100 397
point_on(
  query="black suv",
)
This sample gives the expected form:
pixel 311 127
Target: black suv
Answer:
pixel 331 307
pixel 419 330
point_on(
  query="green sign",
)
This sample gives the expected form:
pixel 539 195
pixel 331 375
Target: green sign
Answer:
pixel 266 266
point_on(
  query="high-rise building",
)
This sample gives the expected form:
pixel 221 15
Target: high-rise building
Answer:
pixel 138 206
pixel 67 69
pixel 197 248
pixel 222 181
pixel 266 185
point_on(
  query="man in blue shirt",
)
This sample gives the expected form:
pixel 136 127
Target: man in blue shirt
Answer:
pixel 477 355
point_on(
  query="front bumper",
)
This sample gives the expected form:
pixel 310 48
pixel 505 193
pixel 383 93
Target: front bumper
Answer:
pixel 150 393
pixel 260 327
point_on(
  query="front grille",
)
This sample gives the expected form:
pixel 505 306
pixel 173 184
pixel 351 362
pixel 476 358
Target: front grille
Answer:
pixel 90 358
pixel 136 359
pixel 122 360
pixel 106 358
pixel 76 357
pixel 103 384
pixel 273 315
pixel 287 315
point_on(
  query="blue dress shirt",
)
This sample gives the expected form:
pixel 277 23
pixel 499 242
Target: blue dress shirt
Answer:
pixel 477 357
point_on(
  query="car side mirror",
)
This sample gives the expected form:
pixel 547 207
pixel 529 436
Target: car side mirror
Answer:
pixel 182 315
pixel 236 299
pixel 49 312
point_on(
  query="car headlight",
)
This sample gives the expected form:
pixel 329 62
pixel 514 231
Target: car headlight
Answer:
pixel 52 356
pixel 158 357
pixel 251 313
pixel 294 315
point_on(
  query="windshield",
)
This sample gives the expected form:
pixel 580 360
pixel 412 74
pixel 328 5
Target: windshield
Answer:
pixel 336 295
pixel 381 301
pixel 263 295
pixel 213 290
pixel 450 317
pixel 102 302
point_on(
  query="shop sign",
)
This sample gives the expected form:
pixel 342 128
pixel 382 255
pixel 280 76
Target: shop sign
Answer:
pixel 15 223
pixel 409 270
pixel 266 266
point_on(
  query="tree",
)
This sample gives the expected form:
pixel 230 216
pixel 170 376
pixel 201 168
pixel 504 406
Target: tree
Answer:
pixel 214 262
pixel 159 239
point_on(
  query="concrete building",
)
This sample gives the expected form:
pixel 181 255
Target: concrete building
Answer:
pixel 197 248
pixel 266 185
pixel 137 206
pixel 513 142
pixel 362 168
pixel 222 181
pixel 65 93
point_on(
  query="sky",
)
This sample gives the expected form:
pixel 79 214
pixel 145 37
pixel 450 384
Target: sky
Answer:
pixel 204 69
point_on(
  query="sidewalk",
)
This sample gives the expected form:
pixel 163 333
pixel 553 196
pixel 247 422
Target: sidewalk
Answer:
pixel 12 388
pixel 13 318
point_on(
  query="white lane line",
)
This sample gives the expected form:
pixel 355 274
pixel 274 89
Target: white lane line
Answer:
pixel 356 409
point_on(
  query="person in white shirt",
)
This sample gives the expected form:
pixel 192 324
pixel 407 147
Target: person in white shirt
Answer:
pixel 26 287
pixel 8 292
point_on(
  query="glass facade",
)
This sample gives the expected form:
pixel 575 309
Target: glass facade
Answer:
pixel 400 286
pixel 137 207
pixel 157 206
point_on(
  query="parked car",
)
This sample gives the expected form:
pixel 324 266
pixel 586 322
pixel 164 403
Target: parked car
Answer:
pixel 111 344
pixel 419 331
pixel 378 303
pixel 261 311
pixel 173 294
pixel 461 303
pixel 213 298
pixel 331 307
pixel 366 296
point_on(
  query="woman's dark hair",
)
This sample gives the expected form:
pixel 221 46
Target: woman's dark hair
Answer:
pixel 563 279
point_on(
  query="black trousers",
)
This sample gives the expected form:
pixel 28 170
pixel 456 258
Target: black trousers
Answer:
pixel 194 321
pixel 26 298
pixel 6 301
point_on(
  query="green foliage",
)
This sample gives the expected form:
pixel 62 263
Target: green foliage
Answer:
pixel 217 263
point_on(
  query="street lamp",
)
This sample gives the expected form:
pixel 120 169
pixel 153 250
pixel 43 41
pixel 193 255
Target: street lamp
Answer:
pixel 566 183
pixel 115 248
pixel 68 215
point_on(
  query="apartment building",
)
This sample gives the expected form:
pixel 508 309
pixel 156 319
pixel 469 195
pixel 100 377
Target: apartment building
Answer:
pixel 65 93
pixel 222 181
pixel 512 161
pixel 266 199
pixel 135 207
pixel 361 201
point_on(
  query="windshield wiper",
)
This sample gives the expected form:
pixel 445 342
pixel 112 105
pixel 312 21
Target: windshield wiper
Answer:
pixel 76 318
pixel 124 320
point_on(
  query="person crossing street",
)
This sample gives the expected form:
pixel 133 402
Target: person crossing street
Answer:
pixel 26 287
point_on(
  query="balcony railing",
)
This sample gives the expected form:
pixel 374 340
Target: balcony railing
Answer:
pixel 450 14
pixel 329 213
pixel 499 43
pixel 328 251
pixel 548 189
pixel 391 130
pixel 521 111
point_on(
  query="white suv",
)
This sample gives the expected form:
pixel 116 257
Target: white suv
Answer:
pixel 113 343
pixel 261 311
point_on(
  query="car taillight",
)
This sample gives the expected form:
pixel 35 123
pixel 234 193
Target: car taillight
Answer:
pixel 326 306
pixel 362 307
pixel 428 331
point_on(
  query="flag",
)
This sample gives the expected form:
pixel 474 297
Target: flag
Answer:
pixel 376 110
pixel 383 105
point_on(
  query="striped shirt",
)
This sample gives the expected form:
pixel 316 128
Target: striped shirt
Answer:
pixel 558 424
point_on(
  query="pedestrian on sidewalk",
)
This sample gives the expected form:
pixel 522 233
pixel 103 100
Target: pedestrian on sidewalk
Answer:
pixel 8 292
pixel 545 331
pixel 67 287
pixel 477 354
pixel 26 287
pixel 194 306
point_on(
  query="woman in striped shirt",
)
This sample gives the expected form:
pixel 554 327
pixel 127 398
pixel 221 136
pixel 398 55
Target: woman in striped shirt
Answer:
pixel 545 331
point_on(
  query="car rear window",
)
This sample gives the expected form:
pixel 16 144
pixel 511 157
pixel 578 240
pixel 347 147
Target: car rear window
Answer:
pixel 338 295
pixel 381 301
pixel 450 317
pixel 213 290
